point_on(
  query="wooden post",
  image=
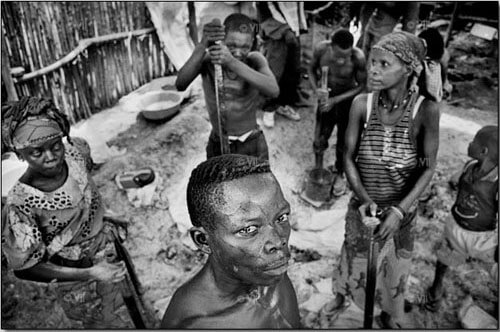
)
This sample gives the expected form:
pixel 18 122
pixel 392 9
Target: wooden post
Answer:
pixel 450 26
pixel 193 29
pixel 6 75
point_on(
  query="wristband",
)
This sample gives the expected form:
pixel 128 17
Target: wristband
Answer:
pixel 398 211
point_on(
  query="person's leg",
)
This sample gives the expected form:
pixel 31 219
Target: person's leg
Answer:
pixel 340 183
pixel 275 52
pixel 290 78
pixel 325 122
pixel 349 277
pixel 391 281
pixel 436 290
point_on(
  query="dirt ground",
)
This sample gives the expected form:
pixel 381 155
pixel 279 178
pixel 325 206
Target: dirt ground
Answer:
pixel 164 259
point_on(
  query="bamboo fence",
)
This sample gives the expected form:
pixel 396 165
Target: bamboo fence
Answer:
pixel 82 55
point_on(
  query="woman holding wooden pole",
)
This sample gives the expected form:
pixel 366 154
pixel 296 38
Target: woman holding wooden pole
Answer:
pixel 53 225
pixel 391 146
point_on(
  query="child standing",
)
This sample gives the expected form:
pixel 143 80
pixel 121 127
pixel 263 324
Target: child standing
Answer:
pixel 246 75
pixel 471 229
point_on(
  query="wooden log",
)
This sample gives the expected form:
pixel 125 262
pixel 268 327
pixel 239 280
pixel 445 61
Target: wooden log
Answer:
pixel 450 26
pixel 193 29
pixel 82 45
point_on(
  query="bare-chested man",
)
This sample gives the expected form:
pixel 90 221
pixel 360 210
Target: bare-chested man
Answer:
pixel 240 220
pixel 346 79
pixel 246 77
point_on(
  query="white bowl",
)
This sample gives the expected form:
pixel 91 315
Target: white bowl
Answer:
pixel 160 104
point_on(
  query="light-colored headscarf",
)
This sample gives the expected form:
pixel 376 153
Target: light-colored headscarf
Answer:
pixel 405 46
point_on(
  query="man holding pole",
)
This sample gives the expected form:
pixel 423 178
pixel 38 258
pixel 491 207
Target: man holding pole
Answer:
pixel 245 76
pixel 346 78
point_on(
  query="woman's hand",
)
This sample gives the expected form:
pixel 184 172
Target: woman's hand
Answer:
pixel 109 272
pixel 371 206
pixel 388 227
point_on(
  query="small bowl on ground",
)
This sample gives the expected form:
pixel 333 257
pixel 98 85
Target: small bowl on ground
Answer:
pixel 160 105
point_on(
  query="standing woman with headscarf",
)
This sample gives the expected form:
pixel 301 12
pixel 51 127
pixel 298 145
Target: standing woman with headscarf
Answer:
pixel 391 146
pixel 54 227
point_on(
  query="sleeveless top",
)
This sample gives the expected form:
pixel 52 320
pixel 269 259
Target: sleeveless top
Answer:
pixel 387 158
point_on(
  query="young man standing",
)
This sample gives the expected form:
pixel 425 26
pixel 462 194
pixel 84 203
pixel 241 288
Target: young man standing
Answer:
pixel 346 79
pixel 246 76
pixel 240 220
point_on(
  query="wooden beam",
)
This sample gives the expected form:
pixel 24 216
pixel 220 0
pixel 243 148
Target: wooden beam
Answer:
pixel 193 28
pixel 82 45
pixel 450 26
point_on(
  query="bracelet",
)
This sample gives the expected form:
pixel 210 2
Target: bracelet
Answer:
pixel 399 212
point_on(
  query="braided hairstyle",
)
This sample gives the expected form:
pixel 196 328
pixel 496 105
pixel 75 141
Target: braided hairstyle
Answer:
pixel 204 191
pixel 16 113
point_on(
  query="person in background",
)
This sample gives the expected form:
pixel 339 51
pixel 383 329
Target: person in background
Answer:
pixel 436 64
pixel 392 141
pixel 346 79
pixel 281 48
pixel 471 230
pixel 384 18
pixel 53 224
pixel 241 220
pixel 246 77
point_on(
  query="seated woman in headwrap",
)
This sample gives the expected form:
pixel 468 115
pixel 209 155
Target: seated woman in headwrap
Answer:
pixel 54 229
pixel 391 146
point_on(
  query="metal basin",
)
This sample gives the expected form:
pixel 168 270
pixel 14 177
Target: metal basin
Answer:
pixel 160 105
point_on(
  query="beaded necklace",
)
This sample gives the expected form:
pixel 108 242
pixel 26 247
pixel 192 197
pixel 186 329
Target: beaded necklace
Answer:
pixel 395 105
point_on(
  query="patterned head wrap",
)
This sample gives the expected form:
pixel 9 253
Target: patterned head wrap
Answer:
pixel 405 46
pixel 31 122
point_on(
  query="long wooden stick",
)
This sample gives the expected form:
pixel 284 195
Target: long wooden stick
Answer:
pixel 82 45
pixel 221 107
pixel 371 280
pixel 450 26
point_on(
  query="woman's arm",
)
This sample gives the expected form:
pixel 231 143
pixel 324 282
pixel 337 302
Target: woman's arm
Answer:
pixel 428 121
pixel 46 272
pixel 352 135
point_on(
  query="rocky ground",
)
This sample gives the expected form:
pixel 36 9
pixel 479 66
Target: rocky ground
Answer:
pixel 164 258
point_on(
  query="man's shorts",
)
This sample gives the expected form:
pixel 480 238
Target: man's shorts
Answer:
pixel 460 244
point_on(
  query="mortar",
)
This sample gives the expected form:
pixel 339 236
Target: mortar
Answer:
pixel 318 185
